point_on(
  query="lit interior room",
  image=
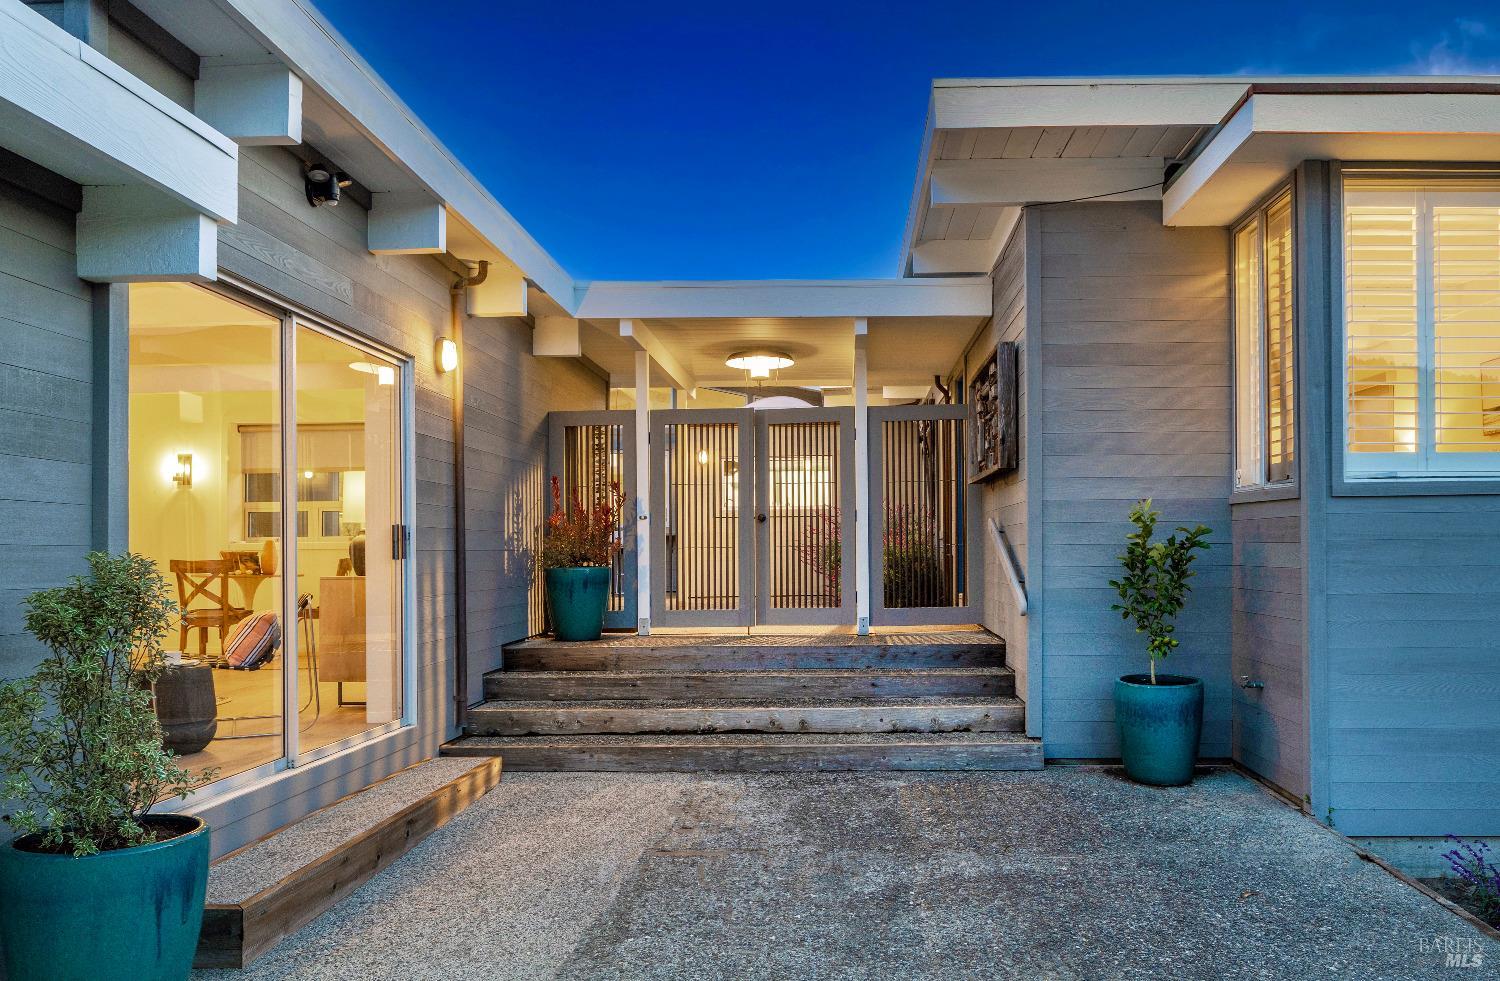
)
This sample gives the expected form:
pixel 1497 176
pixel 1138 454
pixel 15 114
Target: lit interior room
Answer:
pixel 205 445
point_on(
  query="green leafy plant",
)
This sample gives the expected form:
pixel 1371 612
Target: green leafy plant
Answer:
pixel 1154 586
pixel 80 744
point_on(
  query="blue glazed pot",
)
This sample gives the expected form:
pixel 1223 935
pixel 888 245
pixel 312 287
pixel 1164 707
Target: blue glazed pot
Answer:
pixel 1160 726
pixel 578 597
pixel 127 915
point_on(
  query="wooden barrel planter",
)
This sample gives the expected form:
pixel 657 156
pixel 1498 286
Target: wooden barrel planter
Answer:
pixel 187 707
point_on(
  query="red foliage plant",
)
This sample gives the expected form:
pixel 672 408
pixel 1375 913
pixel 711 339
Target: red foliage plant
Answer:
pixel 582 533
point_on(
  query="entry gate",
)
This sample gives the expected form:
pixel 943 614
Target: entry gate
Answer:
pixel 752 513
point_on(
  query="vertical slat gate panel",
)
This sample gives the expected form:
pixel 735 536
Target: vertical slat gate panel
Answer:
pixel 587 452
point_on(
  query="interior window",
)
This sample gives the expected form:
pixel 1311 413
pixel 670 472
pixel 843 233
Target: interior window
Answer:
pixel 1421 327
pixel 1265 362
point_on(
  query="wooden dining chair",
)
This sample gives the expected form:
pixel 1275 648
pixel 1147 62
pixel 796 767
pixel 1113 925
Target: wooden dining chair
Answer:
pixel 204 582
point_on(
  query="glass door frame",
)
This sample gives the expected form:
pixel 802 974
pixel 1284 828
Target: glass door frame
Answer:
pixel 292 317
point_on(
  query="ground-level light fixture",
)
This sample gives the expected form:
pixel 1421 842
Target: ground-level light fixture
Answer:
pixel 447 355
pixel 760 364
pixel 384 373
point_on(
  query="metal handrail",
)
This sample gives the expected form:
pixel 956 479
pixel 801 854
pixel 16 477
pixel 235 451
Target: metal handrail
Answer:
pixel 1008 563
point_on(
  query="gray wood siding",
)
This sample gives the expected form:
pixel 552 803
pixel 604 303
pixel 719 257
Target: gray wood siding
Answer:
pixel 507 395
pixel 1270 642
pixel 46 426
pixel 316 258
pixel 1003 499
pixel 1413 662
pixel 1133 325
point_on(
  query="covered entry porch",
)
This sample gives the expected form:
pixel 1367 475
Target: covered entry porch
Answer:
pixel 792 455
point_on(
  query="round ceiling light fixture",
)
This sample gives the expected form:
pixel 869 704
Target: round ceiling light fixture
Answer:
pixel 760 364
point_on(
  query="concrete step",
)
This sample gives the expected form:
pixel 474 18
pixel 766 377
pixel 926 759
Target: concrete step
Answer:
pixel 625 716
pixel 759 753
pixel 993 682
pixel 757 654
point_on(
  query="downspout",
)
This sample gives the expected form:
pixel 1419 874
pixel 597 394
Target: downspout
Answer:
pixel 460 530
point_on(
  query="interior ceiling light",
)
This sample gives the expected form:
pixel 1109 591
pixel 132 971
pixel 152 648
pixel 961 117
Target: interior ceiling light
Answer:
pixel 759 364
pixel 384 374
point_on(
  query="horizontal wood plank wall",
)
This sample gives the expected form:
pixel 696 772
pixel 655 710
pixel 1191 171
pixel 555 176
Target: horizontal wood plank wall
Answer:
pixel 317 259
pixel 46 428
pixel 1269 642
pixel 1004 498
pixel 507 395
pixel 1134 327
pixel 1414 664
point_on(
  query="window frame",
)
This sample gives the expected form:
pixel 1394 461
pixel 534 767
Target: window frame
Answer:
pixel 1383 474
pixel 1264 488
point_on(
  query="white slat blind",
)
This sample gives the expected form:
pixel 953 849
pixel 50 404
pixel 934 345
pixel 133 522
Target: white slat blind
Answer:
pixel 1466 328
pixel 1422 326
pixel 1280 364
pixel 1380 322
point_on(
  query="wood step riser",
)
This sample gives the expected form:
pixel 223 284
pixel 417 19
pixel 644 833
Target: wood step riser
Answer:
pixel 499 721
pixel 586 685
pixel 752 658
pixel 769 758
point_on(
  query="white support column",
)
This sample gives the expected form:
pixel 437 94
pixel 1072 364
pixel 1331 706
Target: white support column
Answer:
pixel 861 478
pixel 643 492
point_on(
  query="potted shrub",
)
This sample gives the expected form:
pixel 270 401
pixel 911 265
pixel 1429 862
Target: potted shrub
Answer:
pixel 95 886
pixel 577 547
pixel 1159 716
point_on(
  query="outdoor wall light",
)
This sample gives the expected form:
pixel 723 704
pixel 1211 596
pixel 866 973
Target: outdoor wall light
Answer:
pixel 759 364
pixel 447 355
pixel 183 474
pixel 323 184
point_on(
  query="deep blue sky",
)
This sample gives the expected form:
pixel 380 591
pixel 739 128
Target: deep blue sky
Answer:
pixel 692 140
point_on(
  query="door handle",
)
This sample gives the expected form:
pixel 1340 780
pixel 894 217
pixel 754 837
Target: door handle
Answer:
pixel 761 518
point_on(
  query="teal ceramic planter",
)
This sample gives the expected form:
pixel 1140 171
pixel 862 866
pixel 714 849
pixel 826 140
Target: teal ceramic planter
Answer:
pixel 127 915
pixel 578 597
pixel 1159 726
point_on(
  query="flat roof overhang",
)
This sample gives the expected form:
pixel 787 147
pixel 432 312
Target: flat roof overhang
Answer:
pixel 68 108
pixel 1276 127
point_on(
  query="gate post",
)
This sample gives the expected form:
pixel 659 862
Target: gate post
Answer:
pixel 861 478
pixel 643 492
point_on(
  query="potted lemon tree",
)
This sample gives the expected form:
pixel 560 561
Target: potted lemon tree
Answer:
pixel 578 545
pixel 94 885
pixel 1159 716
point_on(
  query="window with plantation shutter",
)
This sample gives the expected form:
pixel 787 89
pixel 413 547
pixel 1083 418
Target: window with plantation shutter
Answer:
pixel 1421 327
pixel 1265 361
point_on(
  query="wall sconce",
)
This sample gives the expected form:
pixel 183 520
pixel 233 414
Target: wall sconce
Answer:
pixel 183 475
pixel 447 355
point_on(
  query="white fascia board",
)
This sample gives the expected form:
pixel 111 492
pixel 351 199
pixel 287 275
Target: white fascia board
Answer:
pixel 987 103
pixel 304 40
pixel 1030 181
pixel 1273 132
pixel 958 297
pixel 68 108
pixel 916 209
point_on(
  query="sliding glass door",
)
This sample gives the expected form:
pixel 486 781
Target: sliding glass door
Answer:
pixel 284 546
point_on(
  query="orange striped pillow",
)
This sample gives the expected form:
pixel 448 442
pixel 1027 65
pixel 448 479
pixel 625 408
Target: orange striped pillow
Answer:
pixel 253 642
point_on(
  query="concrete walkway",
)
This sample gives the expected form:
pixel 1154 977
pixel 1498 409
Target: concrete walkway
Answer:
pixel 1063 873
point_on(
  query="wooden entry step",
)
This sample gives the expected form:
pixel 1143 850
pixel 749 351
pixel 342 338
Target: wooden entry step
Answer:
pixel 626 716
pixel 791 652
pixel 270 888
pixel 759 753
pixel 875 683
